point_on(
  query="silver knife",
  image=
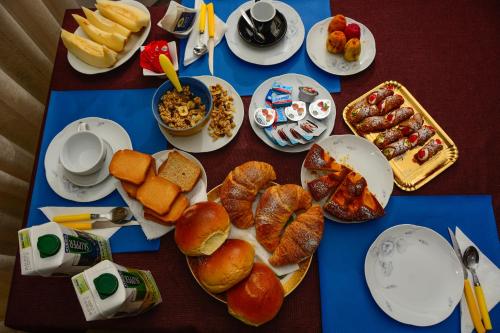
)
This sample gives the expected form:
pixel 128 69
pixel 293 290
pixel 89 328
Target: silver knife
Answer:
pixel 211 36
pixel 456 247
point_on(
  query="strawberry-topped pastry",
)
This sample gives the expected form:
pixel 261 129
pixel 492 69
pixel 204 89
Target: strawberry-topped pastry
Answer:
pixel 430 149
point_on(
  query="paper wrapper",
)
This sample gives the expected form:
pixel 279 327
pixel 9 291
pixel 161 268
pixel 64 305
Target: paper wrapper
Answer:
pixel 106 233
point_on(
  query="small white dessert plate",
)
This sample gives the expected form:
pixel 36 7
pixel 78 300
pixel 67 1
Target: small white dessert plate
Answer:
pixel 361 156
pixel 414 275
pixel 108 130
pixel 134 42
pixel 335 63
pixel 96 177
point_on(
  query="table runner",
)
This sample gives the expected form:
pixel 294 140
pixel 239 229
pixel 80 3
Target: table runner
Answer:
pixel 346 302
pixel 246 77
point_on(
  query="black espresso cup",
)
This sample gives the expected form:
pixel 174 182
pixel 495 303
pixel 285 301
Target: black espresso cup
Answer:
pixel 263 14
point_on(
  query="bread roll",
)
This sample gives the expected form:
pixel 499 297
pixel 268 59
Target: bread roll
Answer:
pixel 257 299
pixel 202 229
pixel 231 263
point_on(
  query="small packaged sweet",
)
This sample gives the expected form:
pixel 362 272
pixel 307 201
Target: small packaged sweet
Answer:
pixel 320 109
pixel 296 111
pixel 280 115
pixel 291 132
pixel 313 128
pixel 281 101
pixel 307 94
pixel 285 134
pixel 272 133
pixel 281 88
pixel 264 116
pixel 307 136
pixel 269 97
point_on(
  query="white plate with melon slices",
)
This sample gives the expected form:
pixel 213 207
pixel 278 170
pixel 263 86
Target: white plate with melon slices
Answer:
pixel 106 56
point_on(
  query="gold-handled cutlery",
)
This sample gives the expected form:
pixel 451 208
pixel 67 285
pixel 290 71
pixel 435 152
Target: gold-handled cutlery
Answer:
pixel 201 47
pixel 469 296
pixel 116 217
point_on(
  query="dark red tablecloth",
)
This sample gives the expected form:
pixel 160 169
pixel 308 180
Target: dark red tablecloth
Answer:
pixel 445 52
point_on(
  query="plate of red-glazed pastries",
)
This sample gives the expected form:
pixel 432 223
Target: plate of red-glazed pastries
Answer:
pixel 349 177
pixel 417 148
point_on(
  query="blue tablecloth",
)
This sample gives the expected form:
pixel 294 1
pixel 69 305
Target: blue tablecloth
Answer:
pixel 132 110
pixel 246 77
pixel 346 302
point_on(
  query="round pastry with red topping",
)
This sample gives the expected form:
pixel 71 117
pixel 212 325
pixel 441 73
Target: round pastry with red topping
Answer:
pixel 352 30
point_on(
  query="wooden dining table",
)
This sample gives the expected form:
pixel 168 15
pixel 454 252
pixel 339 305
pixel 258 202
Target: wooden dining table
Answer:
pixel 445 52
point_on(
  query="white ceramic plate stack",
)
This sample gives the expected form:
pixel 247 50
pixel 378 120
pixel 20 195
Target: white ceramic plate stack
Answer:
pixel 296 81
pixel 271 55
pixel 134 42
pixel 96 186
pixel 335 63
pixel 202 142
pixel 363 157
pixel 414 275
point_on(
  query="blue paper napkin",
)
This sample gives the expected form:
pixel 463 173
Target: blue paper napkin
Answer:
pixel 346 302
pixel 132 110
pixel 246 77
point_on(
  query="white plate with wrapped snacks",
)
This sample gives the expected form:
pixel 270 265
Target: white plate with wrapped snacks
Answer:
pixel 287 135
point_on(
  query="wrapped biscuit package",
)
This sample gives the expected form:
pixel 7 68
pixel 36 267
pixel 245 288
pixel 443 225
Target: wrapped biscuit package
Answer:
pixel 52 249
pixel 108 290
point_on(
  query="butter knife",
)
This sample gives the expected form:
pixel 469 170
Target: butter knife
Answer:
pixel 211 36
pixel 469 297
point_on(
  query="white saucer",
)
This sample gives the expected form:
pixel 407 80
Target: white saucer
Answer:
pixel 202 142
pixel 363 157
pixel 109 131
pixel 296 81
pixel 96 177
pixel 335 63
pixel 271 55
pixel 414 275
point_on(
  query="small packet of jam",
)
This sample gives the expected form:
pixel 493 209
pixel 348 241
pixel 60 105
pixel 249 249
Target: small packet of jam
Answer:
pixel 281 89
pixel 277 139
pixel 296 129
pixel 178 19
pixel 149 58
pixel 293 136
pixel 280 130
pixel 313 128
pixel 281 101
pixel 296 111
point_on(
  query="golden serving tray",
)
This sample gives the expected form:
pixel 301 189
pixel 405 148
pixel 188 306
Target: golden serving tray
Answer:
pixel 408 174
pixel 289 281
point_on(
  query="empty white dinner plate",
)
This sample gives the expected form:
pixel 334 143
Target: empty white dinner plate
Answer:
pixel 110 132
pixel 134 42
pixel 295 81
pixel 271 55
pixel 414 275
pixel 361 156
pixel 335 63
pixel 202 142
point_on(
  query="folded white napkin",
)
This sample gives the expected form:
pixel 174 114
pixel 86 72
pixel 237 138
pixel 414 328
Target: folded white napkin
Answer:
pixel 172 49
pixel 260 252
pixel 489 277
pixel 220 30
pixel 50 212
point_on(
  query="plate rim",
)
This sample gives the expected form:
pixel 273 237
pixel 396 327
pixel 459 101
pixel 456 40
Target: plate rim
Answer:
pixel 285 56
pixel 319 65
pixel 171 138
pixel 301 147
pixel 456 299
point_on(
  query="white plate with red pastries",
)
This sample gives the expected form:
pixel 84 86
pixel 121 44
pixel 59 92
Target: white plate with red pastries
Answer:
pixel 134 42
pixel 335 63
pixel 154 230
pixel 296 81
pixel 361 156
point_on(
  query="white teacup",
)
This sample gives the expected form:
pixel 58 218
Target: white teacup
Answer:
pixel 83 153
pixel 263 13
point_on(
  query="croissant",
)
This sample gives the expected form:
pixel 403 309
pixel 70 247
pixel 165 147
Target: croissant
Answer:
pixel 275 207
pixel 301 238
pixel 239 189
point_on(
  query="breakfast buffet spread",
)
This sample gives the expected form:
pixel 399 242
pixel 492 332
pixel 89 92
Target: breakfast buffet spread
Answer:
pixel 249 241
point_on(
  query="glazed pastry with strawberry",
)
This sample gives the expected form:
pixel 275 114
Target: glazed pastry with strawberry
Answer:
pixel 344 38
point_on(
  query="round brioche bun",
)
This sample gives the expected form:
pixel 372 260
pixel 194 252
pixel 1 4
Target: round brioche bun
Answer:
pixel 257 299
pixel 231 263
pixel 202 228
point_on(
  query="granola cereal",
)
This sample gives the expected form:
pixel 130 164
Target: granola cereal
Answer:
pixel 222 117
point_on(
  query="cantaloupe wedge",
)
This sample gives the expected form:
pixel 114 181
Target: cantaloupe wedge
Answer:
pixel 112 40
pixel 104 24
pixel 130 17
pixel 88 51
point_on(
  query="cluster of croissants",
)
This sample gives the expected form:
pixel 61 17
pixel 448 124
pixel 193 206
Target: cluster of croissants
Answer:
pixel 287 224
